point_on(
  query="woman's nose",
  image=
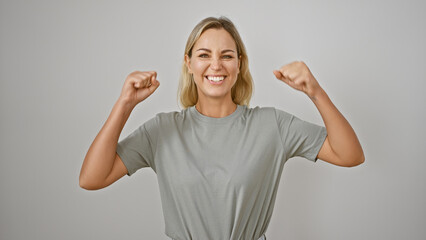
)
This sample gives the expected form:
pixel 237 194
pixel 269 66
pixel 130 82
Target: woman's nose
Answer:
pixel 216 64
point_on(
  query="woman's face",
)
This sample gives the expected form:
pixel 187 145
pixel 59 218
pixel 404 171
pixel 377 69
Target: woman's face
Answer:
pixel 214 64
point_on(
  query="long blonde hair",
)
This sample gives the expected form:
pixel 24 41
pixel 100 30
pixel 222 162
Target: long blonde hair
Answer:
pixel 242 90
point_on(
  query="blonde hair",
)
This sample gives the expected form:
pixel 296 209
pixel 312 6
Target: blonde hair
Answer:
pixel 242 90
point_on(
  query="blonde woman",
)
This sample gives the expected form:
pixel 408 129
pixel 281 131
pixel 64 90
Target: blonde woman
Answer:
pixel 218 162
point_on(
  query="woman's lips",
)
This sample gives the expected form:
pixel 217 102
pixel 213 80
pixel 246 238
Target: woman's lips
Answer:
pixel 215 79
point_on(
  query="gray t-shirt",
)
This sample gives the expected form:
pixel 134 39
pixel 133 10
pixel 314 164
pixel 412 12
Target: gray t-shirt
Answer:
pixel 218 177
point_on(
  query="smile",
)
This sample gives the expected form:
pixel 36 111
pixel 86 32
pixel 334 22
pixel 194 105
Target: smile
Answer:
pixel 215 79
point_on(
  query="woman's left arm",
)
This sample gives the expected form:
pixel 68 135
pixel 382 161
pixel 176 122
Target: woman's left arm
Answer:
pixel 341 146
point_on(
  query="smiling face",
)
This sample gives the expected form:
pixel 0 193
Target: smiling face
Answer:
pixel 214 64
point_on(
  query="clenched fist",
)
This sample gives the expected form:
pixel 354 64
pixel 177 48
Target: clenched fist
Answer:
pixel 138 86
pixel 298 76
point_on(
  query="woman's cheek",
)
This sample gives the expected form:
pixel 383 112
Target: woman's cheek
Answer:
pixel 233 68
pixel 199 67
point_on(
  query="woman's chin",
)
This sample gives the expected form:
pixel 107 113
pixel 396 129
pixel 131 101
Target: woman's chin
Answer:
pixel 215 94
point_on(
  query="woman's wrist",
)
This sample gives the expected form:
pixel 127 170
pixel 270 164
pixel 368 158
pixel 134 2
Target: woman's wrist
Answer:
pixel 125 103
pixel 318 94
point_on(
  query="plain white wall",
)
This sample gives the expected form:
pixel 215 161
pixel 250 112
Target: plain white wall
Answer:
pixel 63 64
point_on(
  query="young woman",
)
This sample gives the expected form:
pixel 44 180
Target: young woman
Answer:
pixel 218 162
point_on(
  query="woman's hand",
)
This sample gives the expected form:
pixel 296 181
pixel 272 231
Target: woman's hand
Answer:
pixel 298 76
pixel 138 86
pixel 341 146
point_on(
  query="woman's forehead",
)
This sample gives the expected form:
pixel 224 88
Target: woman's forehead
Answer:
pixel 215 39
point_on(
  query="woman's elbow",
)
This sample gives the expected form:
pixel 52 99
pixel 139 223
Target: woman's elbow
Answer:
pixel 88 185
pixel 357 161
pixel 83 184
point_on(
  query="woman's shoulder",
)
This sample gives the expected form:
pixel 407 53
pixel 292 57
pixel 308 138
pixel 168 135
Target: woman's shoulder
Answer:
pixel 163 119
pixel 265 110
pixel 170 115
pixel 265 113
pixel 259 109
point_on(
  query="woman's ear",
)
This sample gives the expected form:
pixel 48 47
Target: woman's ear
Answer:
pixel 188 63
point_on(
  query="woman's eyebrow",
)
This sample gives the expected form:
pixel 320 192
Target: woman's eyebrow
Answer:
pixel 208 50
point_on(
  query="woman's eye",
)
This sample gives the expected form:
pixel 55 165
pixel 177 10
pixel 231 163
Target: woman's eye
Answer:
pixel 206 56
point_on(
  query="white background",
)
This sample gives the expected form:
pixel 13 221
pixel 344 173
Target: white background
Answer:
pixel 63 64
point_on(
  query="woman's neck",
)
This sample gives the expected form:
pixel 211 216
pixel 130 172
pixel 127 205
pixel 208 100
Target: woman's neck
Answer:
pixel 215 108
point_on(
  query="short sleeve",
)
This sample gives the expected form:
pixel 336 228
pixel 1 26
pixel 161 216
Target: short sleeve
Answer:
pixel 300 138
pixel 136 150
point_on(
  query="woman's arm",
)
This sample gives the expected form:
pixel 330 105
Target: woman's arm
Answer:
pixel 101 158
pixel 102 166
pixel 341 146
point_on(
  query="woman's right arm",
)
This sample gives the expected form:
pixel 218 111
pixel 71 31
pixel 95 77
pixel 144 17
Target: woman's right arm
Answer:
pixel 102 166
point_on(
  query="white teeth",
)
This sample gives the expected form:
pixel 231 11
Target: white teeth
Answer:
pixel 215 79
